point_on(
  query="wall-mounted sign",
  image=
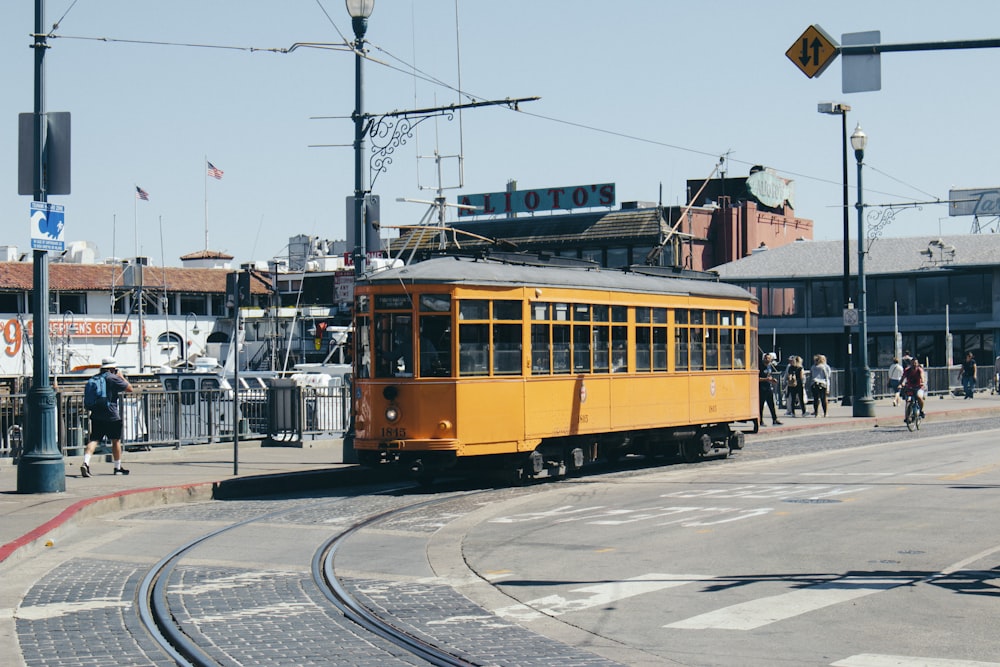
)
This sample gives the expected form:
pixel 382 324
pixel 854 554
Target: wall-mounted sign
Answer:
pixel 541 199
pixel 770 189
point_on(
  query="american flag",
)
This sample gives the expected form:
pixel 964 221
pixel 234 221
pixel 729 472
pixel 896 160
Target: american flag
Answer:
pixel 214 172
pixel 141 194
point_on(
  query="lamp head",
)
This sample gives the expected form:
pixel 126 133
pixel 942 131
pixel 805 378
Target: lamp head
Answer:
pixel 859 140
pixel 359 11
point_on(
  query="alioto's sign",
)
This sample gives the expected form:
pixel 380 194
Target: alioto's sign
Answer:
pixel 542 199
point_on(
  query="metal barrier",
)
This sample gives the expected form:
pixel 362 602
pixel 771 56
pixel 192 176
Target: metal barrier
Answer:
pixel 161 417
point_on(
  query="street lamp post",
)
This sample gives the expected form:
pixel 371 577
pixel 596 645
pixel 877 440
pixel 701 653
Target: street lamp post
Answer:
pixel 841 109
pixel 359 10
pixel 864 406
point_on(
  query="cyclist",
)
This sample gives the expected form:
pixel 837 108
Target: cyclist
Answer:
pixel 915 383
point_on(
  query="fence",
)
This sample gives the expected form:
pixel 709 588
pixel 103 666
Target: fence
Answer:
pixel 940 380
pixel 161 417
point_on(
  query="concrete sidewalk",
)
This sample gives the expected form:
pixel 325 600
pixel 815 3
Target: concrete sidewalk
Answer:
pixel 206 472
pixel 160 476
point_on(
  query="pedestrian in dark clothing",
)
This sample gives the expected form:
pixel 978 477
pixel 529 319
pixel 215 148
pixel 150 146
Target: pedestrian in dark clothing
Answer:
pixel 105 418
pixel 968 376
pixel 766 384
pixel 795 379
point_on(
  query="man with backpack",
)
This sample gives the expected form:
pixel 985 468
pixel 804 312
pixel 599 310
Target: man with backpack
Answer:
pixel 101 398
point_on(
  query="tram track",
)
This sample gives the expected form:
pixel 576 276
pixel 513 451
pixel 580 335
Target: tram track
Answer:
pixel 187 647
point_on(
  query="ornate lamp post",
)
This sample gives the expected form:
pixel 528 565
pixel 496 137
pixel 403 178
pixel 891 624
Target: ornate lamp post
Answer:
pixel 840 109
pixel 359 10
pixel 864 406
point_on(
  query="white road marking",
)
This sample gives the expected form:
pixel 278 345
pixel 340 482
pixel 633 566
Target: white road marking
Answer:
pixel 760 612
pixel 44 611
pixel 876 660
pixel 596 595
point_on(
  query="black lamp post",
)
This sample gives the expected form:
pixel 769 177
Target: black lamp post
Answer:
pixel 864 406
pixel 840 109
pixel 41 468
pixel 359 10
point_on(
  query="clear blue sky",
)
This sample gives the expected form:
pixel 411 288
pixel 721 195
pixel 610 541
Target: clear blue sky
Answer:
pixel 636 92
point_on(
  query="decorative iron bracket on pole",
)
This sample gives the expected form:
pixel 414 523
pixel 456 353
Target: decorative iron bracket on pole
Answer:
pixel 391 130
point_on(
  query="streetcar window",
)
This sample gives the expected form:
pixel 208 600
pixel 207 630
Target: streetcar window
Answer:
pixel 581 312
pixel 540 311
pixel 681 348
pixel 680 316
pixel 711 349
pixel 507 310
pixel 602 348
pixel 697 317
pixel 660 349
pixel 473 349
pixel 435 346
pixel 619 314
pixel 642 349
pixel 711 317
pixel 726 346
pixel 361 303
pixel 659 315
pixel 393 345
pixel 560 348
pixel 642 315
pixel 435 303
pixel 506 349
pixel 364 352
pixel 619 349
pixel 581 349
pixel 600 313
pixel 697 348
pixel 474 309
pixel 540 355
pixel 560 311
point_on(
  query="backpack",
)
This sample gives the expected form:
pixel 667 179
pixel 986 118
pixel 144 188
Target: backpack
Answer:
pixel 95 392
pixel 793 380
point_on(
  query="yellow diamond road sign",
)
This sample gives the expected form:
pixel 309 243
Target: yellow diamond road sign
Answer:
pixel 813 51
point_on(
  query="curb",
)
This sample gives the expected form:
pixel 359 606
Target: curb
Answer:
pixel 133 499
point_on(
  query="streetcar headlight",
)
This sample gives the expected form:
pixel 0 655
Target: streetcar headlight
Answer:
pixel 391 414
pixel 444 425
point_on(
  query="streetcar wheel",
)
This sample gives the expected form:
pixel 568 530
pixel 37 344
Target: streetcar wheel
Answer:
pixel 690 451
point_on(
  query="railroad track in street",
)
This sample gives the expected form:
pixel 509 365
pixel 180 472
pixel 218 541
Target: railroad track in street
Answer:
pixel 188 647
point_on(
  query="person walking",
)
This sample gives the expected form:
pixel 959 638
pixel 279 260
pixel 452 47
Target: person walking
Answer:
pixel 795 379
pixel 968 375
pixel 105 417
pixel 820 374
pixel 895 377
pixel 766 383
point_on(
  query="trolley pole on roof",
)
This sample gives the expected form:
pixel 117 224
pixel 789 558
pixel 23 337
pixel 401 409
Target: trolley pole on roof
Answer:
pixel 41 469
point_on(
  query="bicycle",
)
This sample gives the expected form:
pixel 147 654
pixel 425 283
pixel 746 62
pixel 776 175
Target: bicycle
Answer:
pixel 912 410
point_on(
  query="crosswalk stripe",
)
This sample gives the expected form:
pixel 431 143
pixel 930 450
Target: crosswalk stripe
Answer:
pixel 876 660
pixel 595 595
pixel 756 613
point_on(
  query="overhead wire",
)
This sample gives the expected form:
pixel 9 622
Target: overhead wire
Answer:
pixel 419 74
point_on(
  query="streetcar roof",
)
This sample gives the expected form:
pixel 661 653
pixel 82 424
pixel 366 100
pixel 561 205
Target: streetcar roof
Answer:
pixel 458 270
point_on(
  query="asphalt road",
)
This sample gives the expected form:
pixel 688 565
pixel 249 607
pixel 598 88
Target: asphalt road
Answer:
pixel 858 549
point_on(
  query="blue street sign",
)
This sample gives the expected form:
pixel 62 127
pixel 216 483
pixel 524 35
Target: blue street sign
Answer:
pixel 47 226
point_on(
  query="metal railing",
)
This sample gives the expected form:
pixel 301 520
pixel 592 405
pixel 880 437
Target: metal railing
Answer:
pixel 158 417
pixel 940 380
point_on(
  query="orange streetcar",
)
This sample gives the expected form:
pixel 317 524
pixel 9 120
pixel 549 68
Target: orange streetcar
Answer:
pixel 519 365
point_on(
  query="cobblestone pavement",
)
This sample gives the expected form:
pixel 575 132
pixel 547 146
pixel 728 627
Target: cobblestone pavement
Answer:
pixel 251 600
